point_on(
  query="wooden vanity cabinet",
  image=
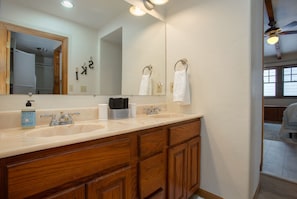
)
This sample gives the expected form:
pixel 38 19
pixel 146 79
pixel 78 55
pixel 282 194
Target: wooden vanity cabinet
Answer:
pixel 111 186
pixel 55 173
pixel 184 160
pixel 157 163
pixel 152 163
pixel 75 193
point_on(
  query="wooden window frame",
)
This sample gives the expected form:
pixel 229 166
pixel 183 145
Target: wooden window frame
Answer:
pixel 279 81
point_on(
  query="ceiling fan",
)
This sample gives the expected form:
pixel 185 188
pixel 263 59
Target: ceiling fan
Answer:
pixel 273 32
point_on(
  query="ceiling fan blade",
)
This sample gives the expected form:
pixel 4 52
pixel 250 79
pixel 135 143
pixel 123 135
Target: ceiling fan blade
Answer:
pixel 269 9
pixel 290 25
pixel 288 32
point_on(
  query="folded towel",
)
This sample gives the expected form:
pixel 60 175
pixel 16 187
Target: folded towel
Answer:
pixel 145 85
pixel 181 88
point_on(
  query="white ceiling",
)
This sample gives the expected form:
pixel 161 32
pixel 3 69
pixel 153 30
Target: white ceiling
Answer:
pixel 285 11
pixel 96 13
pixel 92 13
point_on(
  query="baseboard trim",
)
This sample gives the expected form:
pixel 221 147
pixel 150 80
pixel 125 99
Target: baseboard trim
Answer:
pixel 207 195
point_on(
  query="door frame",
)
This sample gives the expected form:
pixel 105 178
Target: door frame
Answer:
pixel 6 56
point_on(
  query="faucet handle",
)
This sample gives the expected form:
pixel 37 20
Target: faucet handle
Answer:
pixel 75 113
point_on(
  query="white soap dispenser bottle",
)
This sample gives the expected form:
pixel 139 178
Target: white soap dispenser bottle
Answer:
pixel 28 116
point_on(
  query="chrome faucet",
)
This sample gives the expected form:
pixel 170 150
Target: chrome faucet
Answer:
pixel 152 110
pixel 65 118
pixel 53 121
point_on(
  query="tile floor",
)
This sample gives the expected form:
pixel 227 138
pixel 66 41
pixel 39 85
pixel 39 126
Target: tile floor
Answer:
pixel 280 159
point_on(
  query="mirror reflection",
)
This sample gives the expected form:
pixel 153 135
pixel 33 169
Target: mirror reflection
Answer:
pixel 102 58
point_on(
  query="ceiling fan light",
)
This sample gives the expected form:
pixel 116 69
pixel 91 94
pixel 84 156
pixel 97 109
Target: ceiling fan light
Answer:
pixel 159 2
pixel 272 39
pixel 136 11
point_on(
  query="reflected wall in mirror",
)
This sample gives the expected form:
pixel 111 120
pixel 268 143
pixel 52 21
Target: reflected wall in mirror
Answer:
pixel 87 39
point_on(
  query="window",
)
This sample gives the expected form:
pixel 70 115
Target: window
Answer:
pixel 290 81
pixel 280 81
pixel 269 82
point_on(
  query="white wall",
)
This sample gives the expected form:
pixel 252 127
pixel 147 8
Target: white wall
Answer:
pixel 82 40
pixel 215 36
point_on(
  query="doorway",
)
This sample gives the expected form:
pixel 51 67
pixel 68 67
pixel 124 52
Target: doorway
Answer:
pixel 6 31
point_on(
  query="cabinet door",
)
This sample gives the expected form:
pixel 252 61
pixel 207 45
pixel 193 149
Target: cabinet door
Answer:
pixel 152 175
pixel 177 176
pixel 193 176
pixel 73 193
pixel 116 185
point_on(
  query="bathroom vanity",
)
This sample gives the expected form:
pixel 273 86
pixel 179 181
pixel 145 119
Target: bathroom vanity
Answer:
pixel 156 158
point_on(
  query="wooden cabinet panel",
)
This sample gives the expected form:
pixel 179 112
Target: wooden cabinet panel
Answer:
pixel 158 195
pixel 193 165
pixel 184 132
pixel 273 113
pixel 152 142
pixel 116 185
pixel 177 175
pixel 73 193
pixel 50 172
pixel 152 175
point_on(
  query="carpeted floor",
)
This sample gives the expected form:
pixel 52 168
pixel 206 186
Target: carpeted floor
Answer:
pixel 271 132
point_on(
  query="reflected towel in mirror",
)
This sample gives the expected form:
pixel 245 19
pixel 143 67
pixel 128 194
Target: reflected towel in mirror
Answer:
pixel 181 87
pixel 145 85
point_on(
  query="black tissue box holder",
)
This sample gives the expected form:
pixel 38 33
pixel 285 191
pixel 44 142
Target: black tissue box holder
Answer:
pixel 118 108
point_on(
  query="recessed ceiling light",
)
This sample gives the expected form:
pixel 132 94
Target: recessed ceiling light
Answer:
pixel 67 4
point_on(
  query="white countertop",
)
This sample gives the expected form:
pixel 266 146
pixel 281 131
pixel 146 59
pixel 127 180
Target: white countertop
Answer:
pixel 17 141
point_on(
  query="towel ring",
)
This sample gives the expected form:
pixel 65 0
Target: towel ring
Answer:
pixel 184 62
pixel 148 68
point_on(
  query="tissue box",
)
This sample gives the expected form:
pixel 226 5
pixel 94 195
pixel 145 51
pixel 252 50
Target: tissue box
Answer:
pixel 118 113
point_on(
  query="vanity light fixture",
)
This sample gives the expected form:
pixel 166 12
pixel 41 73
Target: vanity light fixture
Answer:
pixel 159 2
pixel 67 4
pixel 136 11
pixel 272 39
pixel 150 4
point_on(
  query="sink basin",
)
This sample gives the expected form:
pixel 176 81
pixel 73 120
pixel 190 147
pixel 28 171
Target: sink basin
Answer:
pixel 63 130
pixel 166 115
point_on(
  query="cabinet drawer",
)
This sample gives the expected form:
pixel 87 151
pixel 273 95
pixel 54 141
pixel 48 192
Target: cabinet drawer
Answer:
pixel 152 142
pixel 32 177
pixel 152 175
pixel 183 132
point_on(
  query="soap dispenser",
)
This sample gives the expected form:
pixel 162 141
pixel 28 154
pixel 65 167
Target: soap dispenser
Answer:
pixel 28 115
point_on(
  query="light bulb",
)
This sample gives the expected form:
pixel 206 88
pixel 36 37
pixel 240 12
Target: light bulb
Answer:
pixel 159 2
pixel 273 39
pixel 136 11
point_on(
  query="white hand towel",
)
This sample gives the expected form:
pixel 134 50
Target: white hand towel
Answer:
pixel 145 85
pixel 181 88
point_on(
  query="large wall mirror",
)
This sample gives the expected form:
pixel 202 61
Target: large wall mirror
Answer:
pixel 104 51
